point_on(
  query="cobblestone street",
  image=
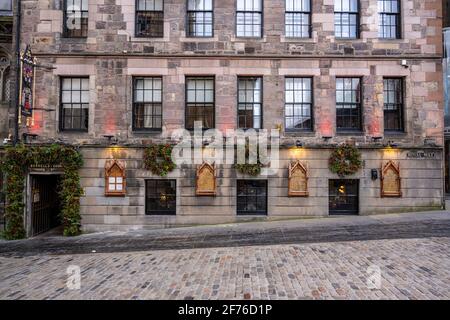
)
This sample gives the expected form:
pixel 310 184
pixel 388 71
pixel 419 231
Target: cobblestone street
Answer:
pixel 410 269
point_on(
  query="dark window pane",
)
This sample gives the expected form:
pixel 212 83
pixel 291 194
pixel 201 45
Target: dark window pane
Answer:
pixel 348 105
pixel 298 103
pixel 297 18
pixel 393 104
pixel 250 102
pixel 74 104
pixel 251 197
pixel 389 19
pixel 160 197
pixel 346 14
pixel 200 18
pixel 200 102
pixel 249 18
pixel 147 103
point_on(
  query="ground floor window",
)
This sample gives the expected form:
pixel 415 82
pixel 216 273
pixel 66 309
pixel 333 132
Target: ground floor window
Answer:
pixel 160 197
pixel 252 197
pixel 343 196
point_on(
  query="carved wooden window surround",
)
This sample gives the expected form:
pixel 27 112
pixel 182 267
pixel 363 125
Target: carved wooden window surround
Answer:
pixel 115 179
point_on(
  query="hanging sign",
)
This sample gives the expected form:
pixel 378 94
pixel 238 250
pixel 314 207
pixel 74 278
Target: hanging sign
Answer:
pixel 26 83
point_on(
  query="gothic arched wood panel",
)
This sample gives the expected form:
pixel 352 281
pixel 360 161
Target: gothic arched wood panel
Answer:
pixel 390 180
pixel 298 179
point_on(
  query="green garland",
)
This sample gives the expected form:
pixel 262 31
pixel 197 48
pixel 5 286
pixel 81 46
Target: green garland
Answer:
pixel 253 169
pixel 158 159
pixel 16 162
pixel 345 160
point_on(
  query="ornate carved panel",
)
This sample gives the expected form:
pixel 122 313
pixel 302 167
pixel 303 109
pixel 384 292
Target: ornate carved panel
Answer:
pixel 206 180
pixel 115 179
pixel 390 180
pixel 298 179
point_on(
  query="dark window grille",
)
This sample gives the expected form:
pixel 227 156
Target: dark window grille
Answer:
pixel 200 18
pixel 389 19
pixel 150 18
pixel 298 18
pixel 76 18
pixel 160 197
pixel 348 103
pixel 147 103
pixel 74 104
pixel 393 104
pixel 346 19
pixel 200 102
pixel 298 104
pixel 251 197
pixel 250 102
pixel 249 18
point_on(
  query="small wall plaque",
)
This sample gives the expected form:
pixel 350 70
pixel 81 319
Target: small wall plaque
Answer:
pixel 206 180
pixel 390 180
pixel 298 179
pixel 115 179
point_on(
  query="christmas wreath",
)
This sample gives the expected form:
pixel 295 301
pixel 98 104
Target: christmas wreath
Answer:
pixel 158 159
pixel 345 160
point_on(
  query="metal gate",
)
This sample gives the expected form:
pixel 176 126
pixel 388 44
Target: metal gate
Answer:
pixel 45 203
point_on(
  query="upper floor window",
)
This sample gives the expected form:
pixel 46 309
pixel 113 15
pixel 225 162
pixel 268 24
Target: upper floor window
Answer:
pixel 76 18
pixel 249 18
pixel 74 112
pixel 200 18
pixel 5 7
pixel 250 102
pixel 150 18
pixel 147 103
pixel 393 104
pixel 298 104
pixel 298 18
pixel 348 103
pixel 200 102
pixel 346 19
pixel 389 19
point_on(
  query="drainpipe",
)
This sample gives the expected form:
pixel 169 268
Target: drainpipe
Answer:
pixel 17 54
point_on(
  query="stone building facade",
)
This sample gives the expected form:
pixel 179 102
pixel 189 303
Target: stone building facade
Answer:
pixel 111 54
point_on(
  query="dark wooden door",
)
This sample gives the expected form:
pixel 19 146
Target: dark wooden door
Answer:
pixel 343 197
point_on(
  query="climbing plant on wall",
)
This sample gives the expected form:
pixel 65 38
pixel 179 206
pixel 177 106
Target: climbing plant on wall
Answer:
pixel 16 162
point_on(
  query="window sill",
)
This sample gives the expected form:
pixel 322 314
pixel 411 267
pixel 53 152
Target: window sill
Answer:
pixel 395 133
pixel 306 133
pixel 349 133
